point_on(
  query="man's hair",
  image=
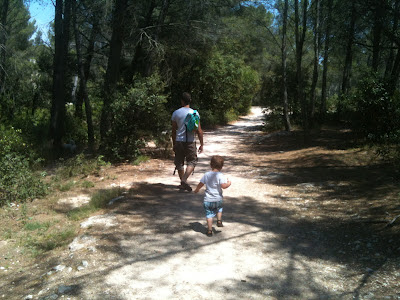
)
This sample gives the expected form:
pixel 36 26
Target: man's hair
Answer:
pixel 186 98
pixel 217 162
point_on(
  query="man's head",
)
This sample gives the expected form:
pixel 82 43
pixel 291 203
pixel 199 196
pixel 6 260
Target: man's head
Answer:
pixel 186 98
pixel 217 162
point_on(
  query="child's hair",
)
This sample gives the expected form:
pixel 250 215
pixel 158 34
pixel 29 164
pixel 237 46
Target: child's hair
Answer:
pixel 217 162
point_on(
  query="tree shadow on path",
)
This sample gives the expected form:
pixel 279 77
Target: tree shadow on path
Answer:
pixel 166 212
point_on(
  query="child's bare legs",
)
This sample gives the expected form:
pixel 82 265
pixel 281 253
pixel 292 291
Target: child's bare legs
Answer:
pixel 209 223
pixel 219 216
pixel 210 220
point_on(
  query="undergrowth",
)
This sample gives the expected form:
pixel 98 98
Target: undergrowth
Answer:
pixel 99 200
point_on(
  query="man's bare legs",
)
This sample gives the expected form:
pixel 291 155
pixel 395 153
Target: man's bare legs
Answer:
pixel 184 175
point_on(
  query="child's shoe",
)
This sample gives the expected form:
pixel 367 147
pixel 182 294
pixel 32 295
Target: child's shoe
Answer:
pixel 219 223
pixel 209 233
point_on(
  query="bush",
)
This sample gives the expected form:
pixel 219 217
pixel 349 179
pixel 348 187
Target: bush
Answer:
pixel 224 88
pixel 378 112
pixel 17 180
pixel 80 165
pixel 138 113
pixel 378 116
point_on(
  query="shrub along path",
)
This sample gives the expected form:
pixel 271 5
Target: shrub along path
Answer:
pixel 301 222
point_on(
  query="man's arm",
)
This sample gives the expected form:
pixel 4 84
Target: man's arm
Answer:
pixel 174 128
pixel 200 134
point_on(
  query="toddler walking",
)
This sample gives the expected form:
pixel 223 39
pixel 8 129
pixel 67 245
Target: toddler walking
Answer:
pixel 214 181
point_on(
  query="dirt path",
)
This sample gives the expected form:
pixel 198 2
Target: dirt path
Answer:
pixel 280 240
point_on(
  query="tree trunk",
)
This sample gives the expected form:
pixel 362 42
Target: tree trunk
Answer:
pixel 377 33
pixel 113 66
pixel 3 42
pixel 82 80
pixel 299 57
pixel 138 64
pixel 348 59
pixel 394 78
pixel 316 59
pixel 390 60
pixel 86 66
pixel 152 61
pixel 61 27
pixel 349 51
pixel 284 71
pixel 325 63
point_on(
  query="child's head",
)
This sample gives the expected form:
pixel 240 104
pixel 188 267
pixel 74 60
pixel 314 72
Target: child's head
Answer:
pixel 217 162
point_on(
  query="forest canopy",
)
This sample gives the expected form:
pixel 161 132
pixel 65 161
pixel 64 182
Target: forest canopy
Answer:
pixel 108 74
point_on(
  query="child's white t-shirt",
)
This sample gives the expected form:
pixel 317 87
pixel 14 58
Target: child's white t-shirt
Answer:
pixel 213 181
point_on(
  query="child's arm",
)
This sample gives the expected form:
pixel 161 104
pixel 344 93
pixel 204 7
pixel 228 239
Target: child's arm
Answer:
pixel 199 186
pixel 226 185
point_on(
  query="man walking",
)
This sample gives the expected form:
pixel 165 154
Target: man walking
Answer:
pixel 184 143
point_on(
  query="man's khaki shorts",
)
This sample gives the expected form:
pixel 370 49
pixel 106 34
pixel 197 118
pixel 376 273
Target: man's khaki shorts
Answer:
pixel 184 150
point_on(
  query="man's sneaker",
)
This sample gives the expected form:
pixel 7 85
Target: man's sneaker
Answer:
pixel 185 186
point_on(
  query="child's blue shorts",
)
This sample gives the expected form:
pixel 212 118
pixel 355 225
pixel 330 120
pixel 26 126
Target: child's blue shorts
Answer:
pixel 212 208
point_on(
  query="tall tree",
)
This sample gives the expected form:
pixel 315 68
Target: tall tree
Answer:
pixel 138 64
pixel 61 25
pixel 377 29
pixel 83 78
pixel 300 35
pixel 326 59
pixel 113 65
pixel 316 57
pixel 349 50
pixel 284 68
pixel 160 23
pixel 3 42
pixel 87 64
pixel 392 71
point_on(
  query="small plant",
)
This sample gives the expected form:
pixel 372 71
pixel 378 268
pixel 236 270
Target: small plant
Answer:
pixel 81 213
pixel 48 241
pixel 273 121
pixel 32 226
pixel 140 159
pixel 98 201
pixel 87 184
pixel 65 187
pixel 80 165
pixel 7 234
pixel 18 183
pixel 102 197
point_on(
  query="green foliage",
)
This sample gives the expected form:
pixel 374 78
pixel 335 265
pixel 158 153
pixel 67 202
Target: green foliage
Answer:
pixel 32 226
pixel 378 116
pixel 378 112
pixel 98 201
pixel 17 181
pixel 140 159
pixel 225 87
pixel 47 240
pixel 64 187
pixel 138 113
pixel 76 128
pixel 80 165
pixel 87 184
pixel 274 121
